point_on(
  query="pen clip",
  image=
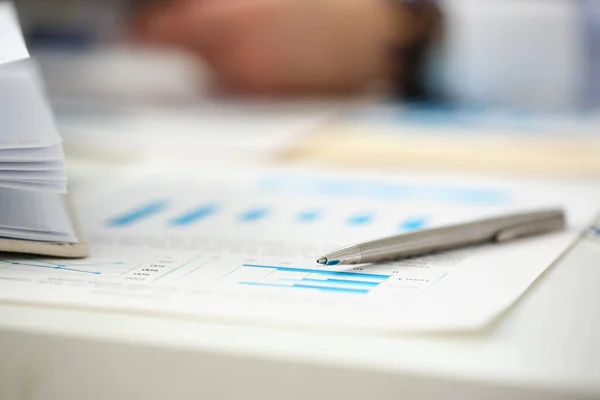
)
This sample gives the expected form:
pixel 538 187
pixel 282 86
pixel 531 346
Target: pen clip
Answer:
pixel 529 228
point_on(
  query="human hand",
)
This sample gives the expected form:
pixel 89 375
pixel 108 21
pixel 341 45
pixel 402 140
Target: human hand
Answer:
pixel 282 46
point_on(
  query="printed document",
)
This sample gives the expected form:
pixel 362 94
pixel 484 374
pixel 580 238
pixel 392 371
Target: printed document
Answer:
pixel 243 247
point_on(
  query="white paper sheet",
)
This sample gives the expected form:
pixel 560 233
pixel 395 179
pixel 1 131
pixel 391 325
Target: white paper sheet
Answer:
pixel 244 247
pixel 32 166
pixel 49 176
pixel 29 140
pixel 52 237
pixel 34 186
pixel 12 45
pixel 26 118
pixel 33 215
pixel 41 154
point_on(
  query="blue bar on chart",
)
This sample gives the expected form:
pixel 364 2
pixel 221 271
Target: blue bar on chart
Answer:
pixel 301 286
pixel 309 216
pixel 253 214
pixel 138 214
pixel 315 279
pixel 413 224
pixel 366 189
pixel 195 215
pixel 360 219
pixel 322 272
pixel 332 281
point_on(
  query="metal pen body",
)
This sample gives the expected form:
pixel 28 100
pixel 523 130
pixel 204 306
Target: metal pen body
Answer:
pixel 445 238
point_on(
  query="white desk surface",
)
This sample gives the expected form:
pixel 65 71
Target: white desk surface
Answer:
pixel 545 347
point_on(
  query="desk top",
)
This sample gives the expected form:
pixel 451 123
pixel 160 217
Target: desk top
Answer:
pixel 546 345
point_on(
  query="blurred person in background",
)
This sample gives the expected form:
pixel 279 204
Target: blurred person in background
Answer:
pixel 522 53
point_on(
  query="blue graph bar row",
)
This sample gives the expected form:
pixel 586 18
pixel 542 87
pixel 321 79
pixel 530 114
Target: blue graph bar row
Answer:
pixel 367 189
pixel 345 274
pixel 309 216
pixel 347 282
pixel 301 286
pixel 195 215
pixel 138 214
pixel 252 215
pixel 360 219
pixel 413 224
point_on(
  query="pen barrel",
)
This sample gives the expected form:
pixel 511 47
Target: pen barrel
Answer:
pixel 452 237
pixel 422 243
pixel 419 243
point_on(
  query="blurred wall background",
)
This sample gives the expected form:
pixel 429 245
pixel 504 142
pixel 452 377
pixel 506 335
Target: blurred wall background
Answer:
pixel 74 24
pixel 83 52
pixel 541 45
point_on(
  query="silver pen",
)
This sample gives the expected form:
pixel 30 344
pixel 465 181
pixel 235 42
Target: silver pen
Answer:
pixel 498 229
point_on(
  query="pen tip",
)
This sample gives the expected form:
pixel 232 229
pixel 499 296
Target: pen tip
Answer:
pixel 322 261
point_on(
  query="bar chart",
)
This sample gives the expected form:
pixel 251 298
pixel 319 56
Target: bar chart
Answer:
pixel 173 218
pixel 225 248
pixel 284 277
pixel 295 209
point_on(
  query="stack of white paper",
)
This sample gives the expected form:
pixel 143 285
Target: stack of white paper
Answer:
pixel 31 155
pixel 34 215
pixel 32 167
